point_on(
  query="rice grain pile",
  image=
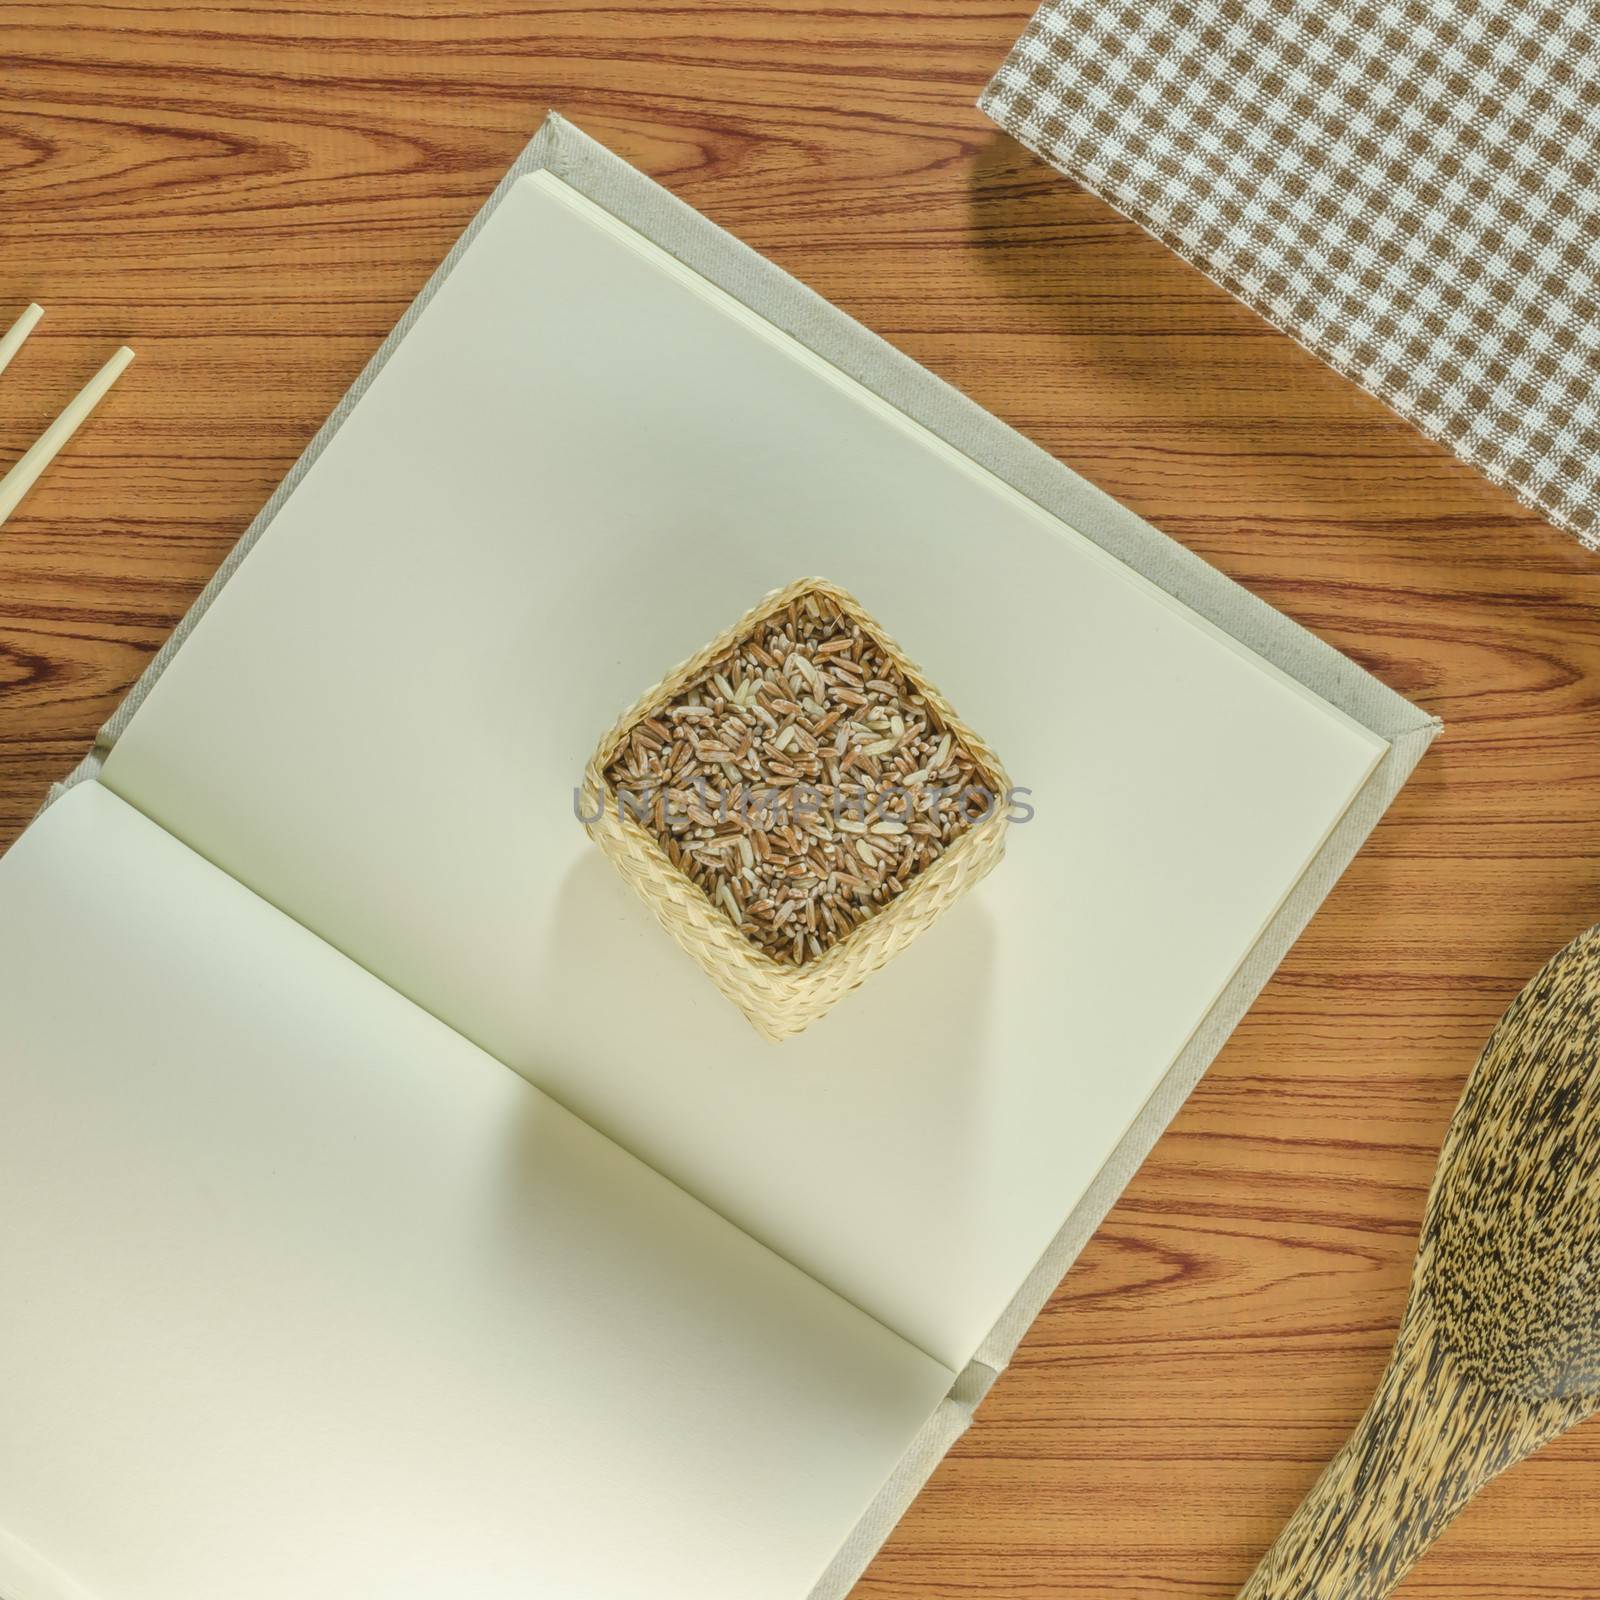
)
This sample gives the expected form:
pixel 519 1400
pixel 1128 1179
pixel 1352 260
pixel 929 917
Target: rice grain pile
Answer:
pixel 801 781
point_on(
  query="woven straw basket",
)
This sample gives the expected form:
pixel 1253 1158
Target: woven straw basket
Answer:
pixel 781 999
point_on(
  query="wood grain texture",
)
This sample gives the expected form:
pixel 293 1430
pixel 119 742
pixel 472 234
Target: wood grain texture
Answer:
pixel 250 194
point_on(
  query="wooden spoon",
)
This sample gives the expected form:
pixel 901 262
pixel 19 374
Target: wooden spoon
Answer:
pixel 1499 1350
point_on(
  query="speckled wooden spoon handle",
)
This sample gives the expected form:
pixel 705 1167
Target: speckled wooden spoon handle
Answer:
pixel 1499 1349
pixel 1431 1439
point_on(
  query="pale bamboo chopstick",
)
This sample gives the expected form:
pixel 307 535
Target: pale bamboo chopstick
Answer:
pixel 17 333
pixel 22 477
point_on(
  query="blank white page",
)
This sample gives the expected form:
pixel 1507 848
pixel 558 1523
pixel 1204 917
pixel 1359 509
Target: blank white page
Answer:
pixel 582 463
pixel 306 1296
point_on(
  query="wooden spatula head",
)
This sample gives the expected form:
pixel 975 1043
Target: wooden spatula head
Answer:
pixel 1499 1350
pixel 1511 1247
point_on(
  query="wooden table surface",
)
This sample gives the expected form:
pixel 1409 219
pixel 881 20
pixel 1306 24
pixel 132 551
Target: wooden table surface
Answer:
pixel 251 194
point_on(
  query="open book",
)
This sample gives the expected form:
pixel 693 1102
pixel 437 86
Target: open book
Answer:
pixel 389 1208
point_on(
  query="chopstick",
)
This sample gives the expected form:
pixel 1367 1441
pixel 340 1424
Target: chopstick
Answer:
pixel 22 477
pixel 17 333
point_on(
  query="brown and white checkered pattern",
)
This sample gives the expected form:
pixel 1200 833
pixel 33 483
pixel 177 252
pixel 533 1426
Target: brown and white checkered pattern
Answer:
pixel 1410 188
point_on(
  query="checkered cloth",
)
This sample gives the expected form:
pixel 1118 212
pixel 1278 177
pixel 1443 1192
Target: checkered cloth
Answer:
pixel 1410 188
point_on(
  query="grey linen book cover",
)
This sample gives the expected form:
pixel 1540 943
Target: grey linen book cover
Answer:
pixel 629 196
